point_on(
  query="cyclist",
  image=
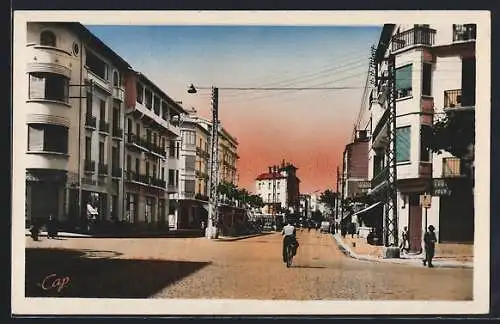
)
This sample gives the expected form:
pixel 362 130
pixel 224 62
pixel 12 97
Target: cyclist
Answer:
pixel 289 237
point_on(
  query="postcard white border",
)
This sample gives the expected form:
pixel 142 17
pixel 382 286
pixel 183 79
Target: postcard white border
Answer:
pixel 69 306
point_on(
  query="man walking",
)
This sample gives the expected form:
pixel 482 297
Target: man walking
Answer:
pixel 430 246
pixel 405 243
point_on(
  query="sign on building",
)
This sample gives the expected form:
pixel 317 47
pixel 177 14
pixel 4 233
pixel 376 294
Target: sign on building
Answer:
pixel 425 200
pixel 440 187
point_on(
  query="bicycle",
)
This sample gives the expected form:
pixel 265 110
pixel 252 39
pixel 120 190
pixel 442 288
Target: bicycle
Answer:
pixel 289 255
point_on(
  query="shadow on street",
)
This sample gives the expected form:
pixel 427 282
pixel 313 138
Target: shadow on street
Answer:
pixel 97 274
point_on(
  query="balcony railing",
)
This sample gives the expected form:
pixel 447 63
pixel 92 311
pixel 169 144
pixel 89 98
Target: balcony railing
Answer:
pixel 451 167
pixel 144 179
pixel 103 126
pixel 172 188
pixel 158 183
pixel 463 33
pixel 90 121
pixel 116 172
pixel 455 99
pixel 414 36
pixel 103 169
pixel 89 165
pixel 380 177
pixel 117 132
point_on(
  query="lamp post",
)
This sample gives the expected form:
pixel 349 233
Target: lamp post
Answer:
pixel 212 231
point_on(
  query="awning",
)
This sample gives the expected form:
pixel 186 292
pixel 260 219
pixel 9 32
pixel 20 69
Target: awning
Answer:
pixel 368 208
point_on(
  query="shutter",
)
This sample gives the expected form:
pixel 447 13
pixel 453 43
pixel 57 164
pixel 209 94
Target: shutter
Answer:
pixel 35 137
pixel 37 87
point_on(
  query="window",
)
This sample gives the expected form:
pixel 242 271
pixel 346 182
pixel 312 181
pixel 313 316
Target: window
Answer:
pixel 164 110
pixel 88 148
pixel 148 135
pixel 171 149
pixel 89 103
pixel 425 131
pixel 268 197
pixel 177 149
pixel 156 106
pixel 116 79
pixel 278 184
pixel 96 65
pixel 48 86
pixel 269 185
pixel 115 157
pixel 162 173
pixel 138 130
pixel 129 126
pixel 137 165
pixel 403 144
pixel 116 117
pixel 101 152
pixel 199 188
pixel 189 186
pixel 190 163
pixel 426 79
pixel 140 92
pixel 468 97
pixel 48 138
pixel 129 162
pixel 48 38
pixel 102 110
pixel 177 178
pixel 149 98
pixel 154 171
pixel 147 168
pixel 171 177
pixel 155 139
pixel 403 81
pixel 163 143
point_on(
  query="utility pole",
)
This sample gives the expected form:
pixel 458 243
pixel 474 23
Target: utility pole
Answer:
pixel 213 214
pixel 337 198
pixel 391 211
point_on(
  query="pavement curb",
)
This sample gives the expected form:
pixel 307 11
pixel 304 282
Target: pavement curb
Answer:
pixel 412 262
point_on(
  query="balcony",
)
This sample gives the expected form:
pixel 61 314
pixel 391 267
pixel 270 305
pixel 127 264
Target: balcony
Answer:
pixel 103 126
pixel 157 150
pixel 380 177
pixel 379 135
pixel 117 133
pixel 90 121
pixel 463 33
pixel 103 169
pixel 134 140
pixel 49 59
pixel 453 99
pixel 116 172
pixel 96 80
pixel 119 93
pixel 158 183
pixel 413 37
pixel 89 165
pixel 452 167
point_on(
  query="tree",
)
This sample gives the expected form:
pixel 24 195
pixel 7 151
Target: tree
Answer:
pixel 454 133
pixel 329 198
pixel 316 216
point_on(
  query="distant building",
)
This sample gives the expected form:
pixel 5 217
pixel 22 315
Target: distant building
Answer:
pixel 279 189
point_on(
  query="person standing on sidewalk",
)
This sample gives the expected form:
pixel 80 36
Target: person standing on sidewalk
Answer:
pixel 405 243
pixel 430 246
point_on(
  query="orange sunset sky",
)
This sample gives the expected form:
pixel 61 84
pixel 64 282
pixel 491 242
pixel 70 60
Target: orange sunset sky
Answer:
pixel 307 128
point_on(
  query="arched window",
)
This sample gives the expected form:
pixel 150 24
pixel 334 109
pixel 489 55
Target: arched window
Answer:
pixel 116 79
pixel 48 38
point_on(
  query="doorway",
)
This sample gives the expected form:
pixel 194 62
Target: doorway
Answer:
pixel 415 223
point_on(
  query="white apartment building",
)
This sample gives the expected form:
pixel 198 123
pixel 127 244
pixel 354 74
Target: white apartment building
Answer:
pixel 279 188
pixel 152 128
pixel 74 113
pixel 435 71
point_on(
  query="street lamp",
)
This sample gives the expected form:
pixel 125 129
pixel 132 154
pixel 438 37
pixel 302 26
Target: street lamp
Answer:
pixel 213 217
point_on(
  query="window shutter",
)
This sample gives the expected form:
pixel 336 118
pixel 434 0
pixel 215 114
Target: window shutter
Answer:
pixel 37 87
pixel 35 137
pixel 403 144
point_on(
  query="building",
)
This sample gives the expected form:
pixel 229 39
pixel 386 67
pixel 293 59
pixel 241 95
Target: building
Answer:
pixel 151 126
pixel 435 72
pixel 228 157
pixel 279 188
pixel 305 206
pixel 355 167
pixel 75 95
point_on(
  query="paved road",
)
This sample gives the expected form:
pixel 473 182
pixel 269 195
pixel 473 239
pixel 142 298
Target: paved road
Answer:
pixel 250 268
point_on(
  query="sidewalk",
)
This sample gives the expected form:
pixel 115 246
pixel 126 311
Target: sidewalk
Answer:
pixel 447 255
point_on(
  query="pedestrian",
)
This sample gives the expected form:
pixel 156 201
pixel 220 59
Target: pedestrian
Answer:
pixel 405 243
pixel 51 228
pixel 430 246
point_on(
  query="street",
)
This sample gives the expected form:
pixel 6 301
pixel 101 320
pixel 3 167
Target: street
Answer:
pixel 247 269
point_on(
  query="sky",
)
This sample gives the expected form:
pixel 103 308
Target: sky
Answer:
pixel 308 128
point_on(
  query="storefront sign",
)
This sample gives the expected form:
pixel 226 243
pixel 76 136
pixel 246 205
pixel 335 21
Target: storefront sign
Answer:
pixel 365 184
pixel 440 187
